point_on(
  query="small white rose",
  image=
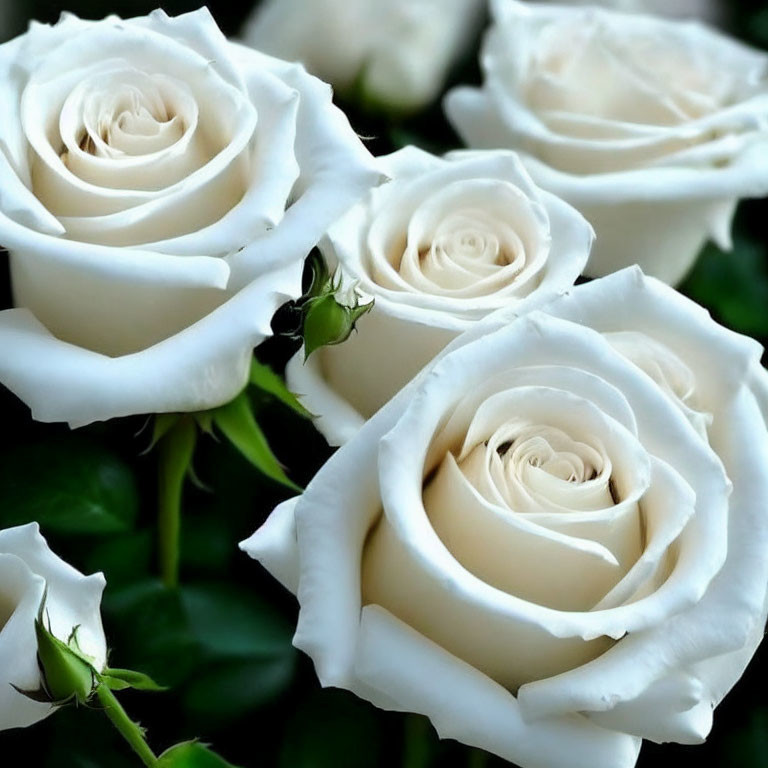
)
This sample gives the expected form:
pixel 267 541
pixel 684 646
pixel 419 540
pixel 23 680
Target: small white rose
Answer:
pixel 397 52
pixel 534 545
pixel 652 128
pixel 439 247
pixel 159 190
pixel 29 571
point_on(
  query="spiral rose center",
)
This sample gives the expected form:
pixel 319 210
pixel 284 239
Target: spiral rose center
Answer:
pixel 471 239
pixel 124 114
pixel 540 462
pixel 132 122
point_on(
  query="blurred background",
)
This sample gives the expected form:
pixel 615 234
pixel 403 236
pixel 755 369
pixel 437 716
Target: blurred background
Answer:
pixel 225 650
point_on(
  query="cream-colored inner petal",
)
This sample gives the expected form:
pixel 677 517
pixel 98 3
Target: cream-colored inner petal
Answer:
pixel 666 368
pixel 473 238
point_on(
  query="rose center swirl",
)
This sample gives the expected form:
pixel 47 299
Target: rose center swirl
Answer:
pixel 472 238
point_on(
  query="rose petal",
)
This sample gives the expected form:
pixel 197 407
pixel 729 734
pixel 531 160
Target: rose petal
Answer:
pixel 396 668
pixel 200 367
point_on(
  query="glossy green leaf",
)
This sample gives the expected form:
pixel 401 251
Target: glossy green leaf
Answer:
pixel 263 377
pixel 191 754
pixel 221 693
pixel 151 632
pixel 250 659
pixel 214 632
pixel 71 486
pixel 332 729
pixel 230 621
pixel 733 286
pixel 238 424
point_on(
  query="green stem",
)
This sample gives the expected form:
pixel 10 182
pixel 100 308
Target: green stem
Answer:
pixel 416 742
pixel 129 730
pixel 175 452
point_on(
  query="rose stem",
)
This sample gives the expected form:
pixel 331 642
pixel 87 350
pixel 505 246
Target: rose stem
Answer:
pixel 416 746
pixel 129 730
pixel 175 452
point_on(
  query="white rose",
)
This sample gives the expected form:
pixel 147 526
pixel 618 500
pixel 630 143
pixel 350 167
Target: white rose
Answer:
pixel 28 571
pixel 439 247
pixel 652 128
pixel 159 189
pixel 533 545
pixel 711 11
pixel 398 52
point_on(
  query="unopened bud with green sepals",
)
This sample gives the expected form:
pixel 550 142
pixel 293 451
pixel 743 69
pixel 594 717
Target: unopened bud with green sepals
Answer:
pixel 330 319
pixel 67 674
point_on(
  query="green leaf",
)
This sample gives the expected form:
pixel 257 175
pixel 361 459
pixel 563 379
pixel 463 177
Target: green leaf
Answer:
pixel 120 679
pixel 191 754
pixel 212 636
pixel 263 377
pixel 238 424
pixel 124 559
pixel 232 622
pixel 733 286
pixel 332 729
pixel 71 486
pixel 327 322
pixel 151 632
pixel 220 693
pixel 248 645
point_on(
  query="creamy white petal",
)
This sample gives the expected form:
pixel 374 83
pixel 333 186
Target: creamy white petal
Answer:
pixel 652 129
pixel 274 545
pixel 198 368
pixel 335 418
pixel 396 664
pixel 325 144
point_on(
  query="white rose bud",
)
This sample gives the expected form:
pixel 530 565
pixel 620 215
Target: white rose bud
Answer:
pixel 652 128
pixel 438 248
pixel 534 545
pixel 30 576
pixel 397 52
pixel 160 188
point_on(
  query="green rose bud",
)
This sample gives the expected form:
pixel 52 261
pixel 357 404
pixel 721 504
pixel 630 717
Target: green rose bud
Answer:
pixel 67 675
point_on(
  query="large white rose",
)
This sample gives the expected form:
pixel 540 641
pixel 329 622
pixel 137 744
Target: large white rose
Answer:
pixel 397 52
pixel 28 571
pixel 159 189
pixel 438 248
pixel 652 128
pixel 535 544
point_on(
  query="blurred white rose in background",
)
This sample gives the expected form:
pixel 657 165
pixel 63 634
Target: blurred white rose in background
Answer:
pixel 712 11
pixel 653 129
pixel 397 52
